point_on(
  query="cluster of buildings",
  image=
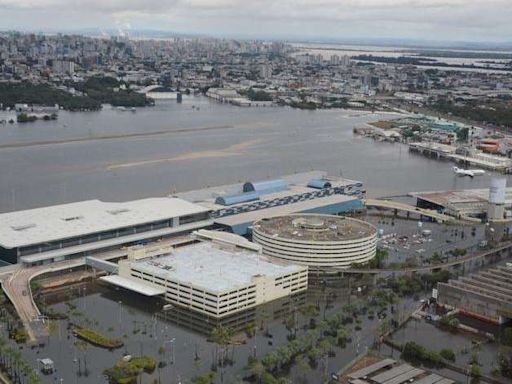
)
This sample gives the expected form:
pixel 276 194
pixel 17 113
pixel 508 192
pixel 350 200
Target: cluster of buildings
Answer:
pixel 192 249
pixel 493 204
pixel 389 371
pixel 289 75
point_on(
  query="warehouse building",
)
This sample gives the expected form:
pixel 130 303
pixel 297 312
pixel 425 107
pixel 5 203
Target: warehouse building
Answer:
pixel 318 241
pixel 45 235
pixel 486 296
pixel 219 276
pixel 389 371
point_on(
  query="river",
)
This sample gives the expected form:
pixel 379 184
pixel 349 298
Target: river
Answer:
pixel 116 155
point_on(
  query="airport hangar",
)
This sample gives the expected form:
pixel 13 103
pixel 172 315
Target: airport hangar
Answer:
pixel 55 233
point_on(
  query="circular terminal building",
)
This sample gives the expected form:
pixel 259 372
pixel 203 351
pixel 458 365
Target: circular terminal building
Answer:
pixel 318 241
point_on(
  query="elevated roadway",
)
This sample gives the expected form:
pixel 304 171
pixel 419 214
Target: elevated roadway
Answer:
pixel 15 281
pixel 388 204
pixel 428 268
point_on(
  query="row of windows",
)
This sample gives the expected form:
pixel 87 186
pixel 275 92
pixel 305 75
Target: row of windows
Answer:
pixel 302 277
pixel 50 246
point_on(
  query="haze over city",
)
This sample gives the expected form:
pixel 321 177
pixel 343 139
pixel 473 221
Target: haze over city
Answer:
pixel 418 20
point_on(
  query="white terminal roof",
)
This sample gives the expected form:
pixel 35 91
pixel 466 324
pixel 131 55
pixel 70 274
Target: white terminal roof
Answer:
pixel 214 268
pixel 40 225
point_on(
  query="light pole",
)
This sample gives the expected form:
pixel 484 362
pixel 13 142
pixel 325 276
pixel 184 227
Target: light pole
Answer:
pixel 171 341
pixel 119 311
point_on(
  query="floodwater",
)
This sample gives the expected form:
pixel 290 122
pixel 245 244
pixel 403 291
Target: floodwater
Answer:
pixel 327 50
pixel 171 336
pixel 462 344
pixel 116 155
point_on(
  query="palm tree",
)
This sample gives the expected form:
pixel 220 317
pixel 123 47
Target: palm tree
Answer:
pixel 222 337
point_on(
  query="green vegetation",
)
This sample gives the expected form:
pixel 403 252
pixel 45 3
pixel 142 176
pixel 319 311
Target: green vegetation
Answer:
pixel 96 91
pixel 96 338
pixel 15 366
pixel 409 285
pixel 475 370
pixel 462 135
pixel 44 94
pixel 24 118
pixel 447 354
pixel 206 378
pixel 258 95
pixel 495 112
pixel 416 353
pixel 378 260
pixel 384 124
pixel 507 337
pixel 449 322
pixel 505 362
pixel 303 105
pixel 126 372
pixel 221 335
pixel 107 90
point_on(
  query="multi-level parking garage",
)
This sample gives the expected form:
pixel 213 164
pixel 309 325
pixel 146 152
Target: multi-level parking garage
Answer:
pixel 318 241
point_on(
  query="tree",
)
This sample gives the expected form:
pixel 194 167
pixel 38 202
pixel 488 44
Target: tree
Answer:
pixel 270 361
pixel 222 337
pixel 507 336
pixel 447 354
pixel 462 134
pixel 205 378
pixel 505 362
pixel 314 354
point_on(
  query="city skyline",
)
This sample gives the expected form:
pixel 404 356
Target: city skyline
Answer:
pixel 412 20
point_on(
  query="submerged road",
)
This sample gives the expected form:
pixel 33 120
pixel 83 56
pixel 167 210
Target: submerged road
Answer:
pixel 429 268
pixel 16 281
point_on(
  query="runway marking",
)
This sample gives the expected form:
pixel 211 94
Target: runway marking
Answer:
pixel 113 137
pixel 233 150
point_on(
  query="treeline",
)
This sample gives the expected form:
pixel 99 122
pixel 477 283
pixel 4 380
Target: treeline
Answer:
pixel 96 91
pixel 258 95
pixel 407 60
pixel 106 90
pixel 498 114
pixel 44 94
pixel 404 60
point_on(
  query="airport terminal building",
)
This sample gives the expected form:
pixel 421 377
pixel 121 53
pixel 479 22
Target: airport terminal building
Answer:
pixel 45 235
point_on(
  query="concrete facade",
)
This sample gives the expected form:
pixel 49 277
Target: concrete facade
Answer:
pixel 486 296
pixel 318 241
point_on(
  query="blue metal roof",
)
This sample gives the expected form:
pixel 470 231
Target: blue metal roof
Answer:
pixel 267 186
pixel 237 199
pixel 319 184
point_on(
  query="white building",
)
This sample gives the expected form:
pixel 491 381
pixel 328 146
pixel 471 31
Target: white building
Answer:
pixel 55 233
pixel 219 276
pixel 318 241
pixel 63 67
pixel 223 95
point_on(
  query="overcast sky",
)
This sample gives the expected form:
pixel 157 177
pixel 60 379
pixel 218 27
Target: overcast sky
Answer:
pixel 444 20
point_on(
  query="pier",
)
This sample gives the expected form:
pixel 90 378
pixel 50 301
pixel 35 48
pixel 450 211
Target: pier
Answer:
pixel 471 158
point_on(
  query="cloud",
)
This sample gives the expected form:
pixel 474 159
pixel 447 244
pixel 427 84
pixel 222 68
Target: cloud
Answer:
pixel 428 19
